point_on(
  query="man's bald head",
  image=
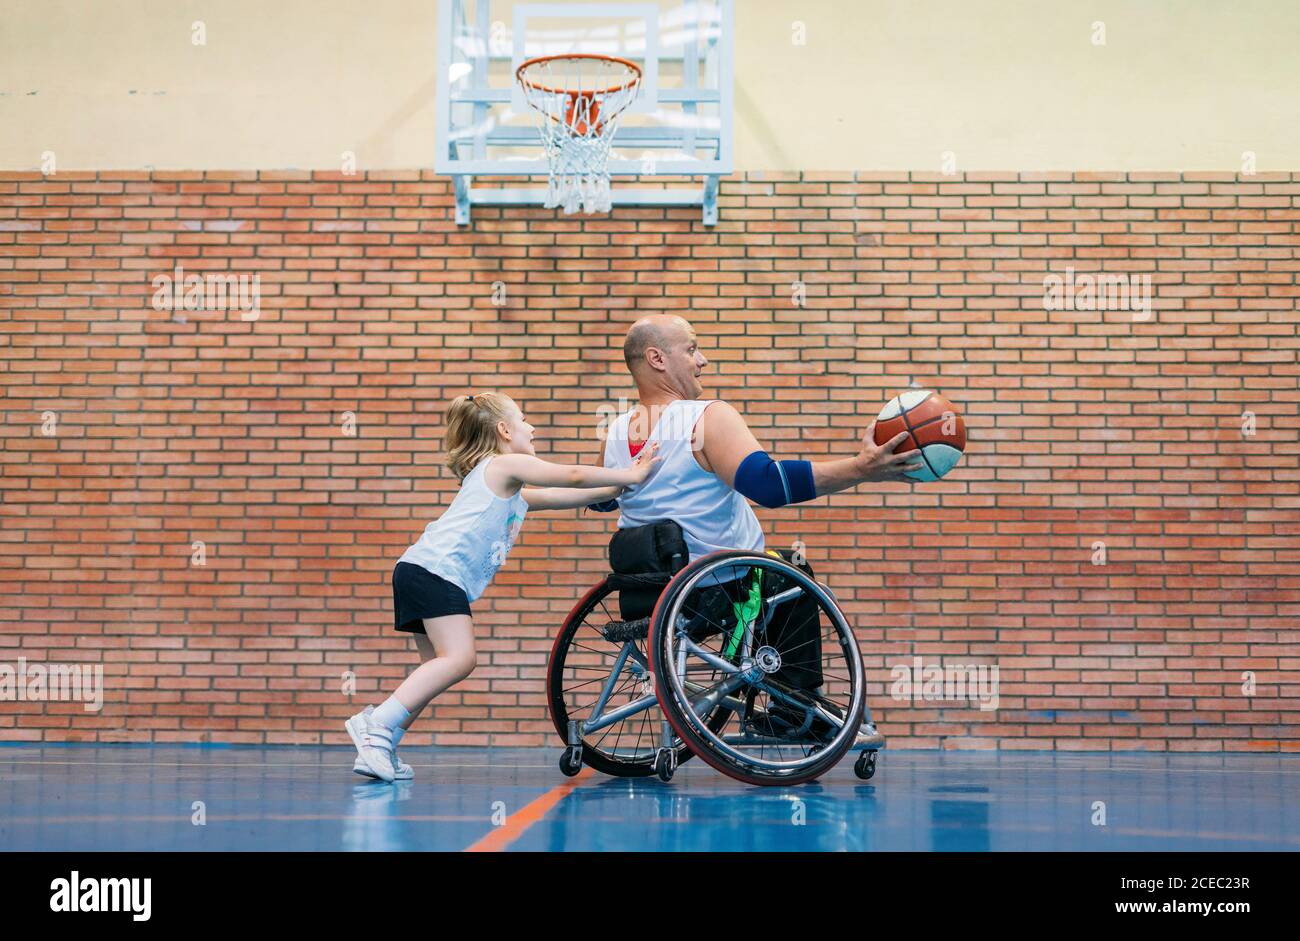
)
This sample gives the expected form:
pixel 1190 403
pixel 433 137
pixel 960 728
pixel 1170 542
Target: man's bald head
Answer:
pixel 663 357
pixel 658 331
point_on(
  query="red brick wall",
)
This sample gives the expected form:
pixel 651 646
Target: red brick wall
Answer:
pixel 1084 426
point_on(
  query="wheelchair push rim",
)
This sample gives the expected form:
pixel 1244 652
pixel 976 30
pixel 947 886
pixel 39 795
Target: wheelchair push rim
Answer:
pixel 744 665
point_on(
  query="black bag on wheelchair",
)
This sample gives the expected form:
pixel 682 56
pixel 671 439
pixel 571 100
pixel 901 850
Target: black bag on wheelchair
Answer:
pixel 644 559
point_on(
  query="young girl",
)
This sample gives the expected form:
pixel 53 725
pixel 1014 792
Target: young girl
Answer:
pixel 490 449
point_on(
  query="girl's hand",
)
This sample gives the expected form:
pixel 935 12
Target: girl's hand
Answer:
pixel 645 462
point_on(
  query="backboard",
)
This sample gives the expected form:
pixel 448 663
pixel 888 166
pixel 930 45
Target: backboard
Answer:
pixel 679 126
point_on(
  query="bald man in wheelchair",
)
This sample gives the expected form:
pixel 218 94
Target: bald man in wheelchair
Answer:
pixel 711 466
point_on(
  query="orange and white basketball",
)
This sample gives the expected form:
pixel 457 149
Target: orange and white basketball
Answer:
pixel 933 425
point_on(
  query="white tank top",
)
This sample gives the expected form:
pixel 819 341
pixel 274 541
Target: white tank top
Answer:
pixel 469 541
pixel 711 514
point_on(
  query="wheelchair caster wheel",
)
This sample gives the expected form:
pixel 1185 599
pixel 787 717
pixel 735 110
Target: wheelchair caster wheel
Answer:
pixel 571 760
pixel 665 764
pixel 865 766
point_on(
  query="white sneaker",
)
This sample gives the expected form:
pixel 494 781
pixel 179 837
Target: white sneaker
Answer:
pixel 374 743
pixel 401 770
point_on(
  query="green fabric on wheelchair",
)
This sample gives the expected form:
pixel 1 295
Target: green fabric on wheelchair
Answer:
pixel 746 610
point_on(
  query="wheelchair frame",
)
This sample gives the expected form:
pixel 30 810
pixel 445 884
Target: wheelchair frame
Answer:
pixel 741 674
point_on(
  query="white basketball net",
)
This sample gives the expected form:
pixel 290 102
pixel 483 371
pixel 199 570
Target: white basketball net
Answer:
pixel 580 98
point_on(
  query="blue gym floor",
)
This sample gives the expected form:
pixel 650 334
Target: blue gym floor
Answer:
pixel 123 797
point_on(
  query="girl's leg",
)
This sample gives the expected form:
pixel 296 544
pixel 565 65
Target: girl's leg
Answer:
pixel 448 654
pixel 427 653
pixel 448 659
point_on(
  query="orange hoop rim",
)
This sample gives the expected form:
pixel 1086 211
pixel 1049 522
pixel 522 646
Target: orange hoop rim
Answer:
pixel 577 55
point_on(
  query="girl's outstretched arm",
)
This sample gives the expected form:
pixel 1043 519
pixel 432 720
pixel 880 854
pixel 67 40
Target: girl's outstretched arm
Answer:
pixel 567 498
pixel 509 472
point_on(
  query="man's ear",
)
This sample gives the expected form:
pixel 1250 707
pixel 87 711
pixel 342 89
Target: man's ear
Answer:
pixel 655 357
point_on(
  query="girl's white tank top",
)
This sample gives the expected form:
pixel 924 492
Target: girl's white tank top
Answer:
pixel 470 540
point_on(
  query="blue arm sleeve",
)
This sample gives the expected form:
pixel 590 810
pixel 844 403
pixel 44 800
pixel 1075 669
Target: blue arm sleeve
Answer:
pixel 772 483
pixel 609 506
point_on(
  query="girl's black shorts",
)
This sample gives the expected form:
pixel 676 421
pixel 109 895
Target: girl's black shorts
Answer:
pixel 419 594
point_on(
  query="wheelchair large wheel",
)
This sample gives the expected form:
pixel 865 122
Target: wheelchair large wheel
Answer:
pixel 763 639
pixel 581 672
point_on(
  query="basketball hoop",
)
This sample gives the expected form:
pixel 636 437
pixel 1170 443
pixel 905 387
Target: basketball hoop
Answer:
pixel 580 96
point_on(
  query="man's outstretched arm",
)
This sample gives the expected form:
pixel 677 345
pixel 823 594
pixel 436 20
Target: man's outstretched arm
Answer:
pixel 732 452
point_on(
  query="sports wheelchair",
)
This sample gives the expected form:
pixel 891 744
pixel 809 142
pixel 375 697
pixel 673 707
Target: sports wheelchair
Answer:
pixel 742 658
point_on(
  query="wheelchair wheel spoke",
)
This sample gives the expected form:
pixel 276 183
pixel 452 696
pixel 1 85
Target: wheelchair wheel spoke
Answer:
pixel 798 660
pixel 781 636
pixel 600 679
pixel 617 725
pixel 606 654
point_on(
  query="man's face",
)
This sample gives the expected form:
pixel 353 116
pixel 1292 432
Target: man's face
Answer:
pixel 684 362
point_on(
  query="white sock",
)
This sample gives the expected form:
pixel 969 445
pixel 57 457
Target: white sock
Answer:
pixel 397 735
pixel 391 713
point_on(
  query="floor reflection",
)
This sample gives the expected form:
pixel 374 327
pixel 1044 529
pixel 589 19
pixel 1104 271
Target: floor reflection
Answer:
pixel 192 798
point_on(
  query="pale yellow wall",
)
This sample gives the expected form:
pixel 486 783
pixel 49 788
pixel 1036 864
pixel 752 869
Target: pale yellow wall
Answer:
pixel 880 84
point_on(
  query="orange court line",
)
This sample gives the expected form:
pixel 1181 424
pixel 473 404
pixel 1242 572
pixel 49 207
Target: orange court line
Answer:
pixel 517 824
